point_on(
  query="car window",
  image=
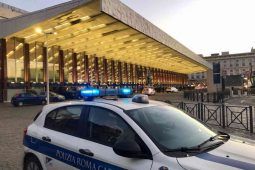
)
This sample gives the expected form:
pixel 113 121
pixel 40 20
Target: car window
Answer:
pixel 22 95
pixel 65 119
pixel 106 127
pixel 172 128
pixel 32 95
pixel 29 95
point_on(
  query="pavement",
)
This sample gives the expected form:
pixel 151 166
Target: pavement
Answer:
pixel 243 100
pixel 13 121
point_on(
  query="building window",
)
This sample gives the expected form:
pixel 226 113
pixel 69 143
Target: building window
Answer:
pixel 53 63
pixel 80 68
pixel 237 72
pixel 15 60
pixel 68 66
pixel 36 62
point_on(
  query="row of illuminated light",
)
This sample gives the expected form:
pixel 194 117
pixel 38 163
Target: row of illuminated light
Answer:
pixel 151 52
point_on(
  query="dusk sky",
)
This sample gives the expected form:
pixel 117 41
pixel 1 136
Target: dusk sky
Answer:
pixel 204 26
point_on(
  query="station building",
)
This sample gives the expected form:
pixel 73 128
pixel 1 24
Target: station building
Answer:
pixel 89 41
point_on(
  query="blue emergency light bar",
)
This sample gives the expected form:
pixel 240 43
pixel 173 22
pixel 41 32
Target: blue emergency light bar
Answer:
pixel 90 93
pixel 124 92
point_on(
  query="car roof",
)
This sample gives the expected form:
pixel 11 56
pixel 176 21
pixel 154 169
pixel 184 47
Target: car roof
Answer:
pixel 122 103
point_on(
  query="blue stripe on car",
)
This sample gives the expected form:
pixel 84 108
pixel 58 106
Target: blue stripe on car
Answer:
pixel 227 161
pixel 69 157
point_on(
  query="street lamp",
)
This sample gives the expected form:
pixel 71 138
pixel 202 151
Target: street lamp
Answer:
pixel 40 31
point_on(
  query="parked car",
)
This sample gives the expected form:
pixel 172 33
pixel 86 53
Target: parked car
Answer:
pixel 28 99
pixel 148 90
pixel 54 97
pixel 70 92
pixel 200 87
pixel 132 134
pixel 172 90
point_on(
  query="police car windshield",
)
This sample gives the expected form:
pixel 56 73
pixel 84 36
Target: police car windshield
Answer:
pixel 170 128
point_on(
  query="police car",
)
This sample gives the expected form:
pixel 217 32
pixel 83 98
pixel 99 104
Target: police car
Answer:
pixel 127 133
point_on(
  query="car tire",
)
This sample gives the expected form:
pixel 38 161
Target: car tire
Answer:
pixel 43 102
pixel 32 163
pixel 20 104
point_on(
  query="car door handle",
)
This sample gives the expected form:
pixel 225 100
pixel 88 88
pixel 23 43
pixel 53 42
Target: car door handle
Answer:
pixel 86 152
pixel 46 138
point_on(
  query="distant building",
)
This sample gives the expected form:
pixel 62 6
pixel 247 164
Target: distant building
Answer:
pixel 7 11
pixel 230 64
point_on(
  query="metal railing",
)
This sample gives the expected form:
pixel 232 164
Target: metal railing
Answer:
pixel 237 117
pixel 206 97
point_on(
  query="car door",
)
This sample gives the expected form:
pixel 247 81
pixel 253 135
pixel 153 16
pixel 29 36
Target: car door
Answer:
pixel 26 98
pixel 34 99
pixel 60 134
pixel 103 129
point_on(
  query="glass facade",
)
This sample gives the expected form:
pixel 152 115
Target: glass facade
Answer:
pixel 15 59
pixel 68 66
pixel 26 66
pixel 53 63
pixel 36 62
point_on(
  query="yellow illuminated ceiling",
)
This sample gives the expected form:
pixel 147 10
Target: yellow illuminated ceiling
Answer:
pixel 87 29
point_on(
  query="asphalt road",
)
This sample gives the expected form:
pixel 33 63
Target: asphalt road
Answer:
pixel 13 121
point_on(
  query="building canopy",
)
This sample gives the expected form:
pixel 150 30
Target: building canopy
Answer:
pixel 105 28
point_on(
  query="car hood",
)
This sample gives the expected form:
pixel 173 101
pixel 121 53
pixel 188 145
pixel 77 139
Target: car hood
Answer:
pixel 231 155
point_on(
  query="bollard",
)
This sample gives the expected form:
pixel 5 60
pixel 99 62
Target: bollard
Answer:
pixel 197 96
pixel 223 115
pixel 208 100
pixel 251 119
pixel 193 96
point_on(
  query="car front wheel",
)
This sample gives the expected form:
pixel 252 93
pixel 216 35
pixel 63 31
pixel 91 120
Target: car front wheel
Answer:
pixel 32 163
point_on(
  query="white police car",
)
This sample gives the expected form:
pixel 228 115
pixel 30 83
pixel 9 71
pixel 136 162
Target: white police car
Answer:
pixel 127 134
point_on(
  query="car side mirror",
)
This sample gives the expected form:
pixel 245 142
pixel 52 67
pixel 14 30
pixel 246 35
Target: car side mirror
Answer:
pixel 129 149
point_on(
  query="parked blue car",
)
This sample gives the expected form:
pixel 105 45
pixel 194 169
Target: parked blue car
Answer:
pixel 28 99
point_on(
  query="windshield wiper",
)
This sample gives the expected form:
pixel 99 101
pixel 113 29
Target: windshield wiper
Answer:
pixel 220 136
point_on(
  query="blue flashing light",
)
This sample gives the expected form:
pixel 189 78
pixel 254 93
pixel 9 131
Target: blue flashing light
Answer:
pixel 89 94
pixel 126 91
